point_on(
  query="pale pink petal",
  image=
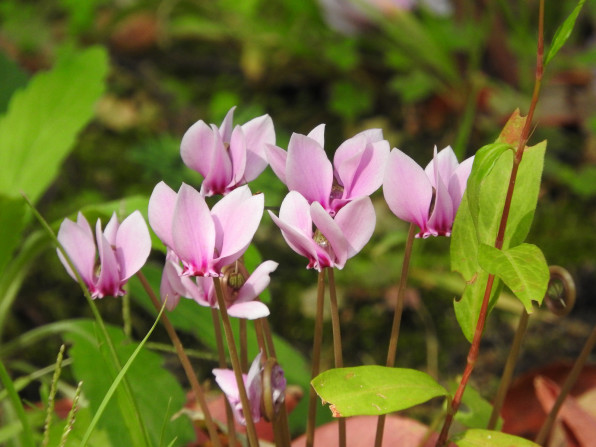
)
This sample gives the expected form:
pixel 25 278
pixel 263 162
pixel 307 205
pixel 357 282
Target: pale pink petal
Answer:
pixel 108 282
pixel 236 217
pixel 372 135
pixel 318 134
pixel 298 241
pixel 259 134
pixel 225 129
pixel 441 219
pixel 458 182
pixel 357 222
pixel 226 379
pixel 133 245
pixel 82 222
pixel 256 282
pixel 161 212
pixel 171 288
pixel 193 232
pixel 336 245
pixel 237 152
pixel 295 211
pixel 111 230
pixel 361 166
pixel 219 174
pixel 251 310
pixel 277 157
pixel 80 247
pixel 407 189
pixel 447 163
pixel 196 147
pixel 308 170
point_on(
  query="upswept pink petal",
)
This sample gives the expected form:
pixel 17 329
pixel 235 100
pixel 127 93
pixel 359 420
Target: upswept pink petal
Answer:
pixel 407 189
pixel 336 245
pixel 133 245
pixel 171 287
pixel 236 217
pixel 447 163
pixel 298 241
pixel 361 171
pixel 225 130
pixel 82 222
pixel 372 135
pixel 111 230
pixel 161 212
pixel 256 282
pixel 277 157
pixel 219 174
pixel 295 210
pixel 441 219
pixel 226 379
pixel 80 247
pixel 237 151
pixel 357 222
pixel 251 310
pixel 202 290
pixel 193 232
pixel 109 282
pixel 458 182
pixel 308 170
pixel 318 134
pixel 259 133
pixel 197 146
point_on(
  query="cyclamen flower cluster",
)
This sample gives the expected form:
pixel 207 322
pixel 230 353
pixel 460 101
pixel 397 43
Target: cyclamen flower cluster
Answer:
pixel 327 217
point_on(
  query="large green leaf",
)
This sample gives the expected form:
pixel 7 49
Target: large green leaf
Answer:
pixel 479 215
pixel 90 365
pixel 488 438
pixel 44 119
pixel 12 224
pixel 522 268
pixel 475 411
pixel 374 390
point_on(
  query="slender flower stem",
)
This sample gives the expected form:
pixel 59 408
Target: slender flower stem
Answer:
pixel 316 358
pixel 475 347
pixel 336 328
pixel 250 426
pixel 399 307
pixel 566 388
pixel 261 338
pixel 98 319
pixel 522 325
pixel 243 347
pixel 221 353
pixel 269 338
pixel 185 361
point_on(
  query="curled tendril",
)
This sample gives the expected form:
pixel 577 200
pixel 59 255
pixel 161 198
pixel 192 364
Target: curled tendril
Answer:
pixel 273 389
pixel 560 293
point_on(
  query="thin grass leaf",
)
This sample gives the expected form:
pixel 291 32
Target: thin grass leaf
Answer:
pixel 117 381
pixel 26 433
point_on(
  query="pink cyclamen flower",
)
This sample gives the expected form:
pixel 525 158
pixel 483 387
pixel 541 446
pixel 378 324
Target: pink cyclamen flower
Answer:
pixel 226 379
pixel 427 197
pixel 240 292
pixel 357 170
pixel 204 240
pixel 123 249
pixel 332 241
pixel 226 157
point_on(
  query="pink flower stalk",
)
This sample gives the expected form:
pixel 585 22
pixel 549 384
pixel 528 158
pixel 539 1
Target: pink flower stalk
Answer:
pixel 204 240
pixel 226 157
pixel 357 170
pixel 325 241
pixel 123 249
pixel 240 292
pixel 226 380
pixel 427 197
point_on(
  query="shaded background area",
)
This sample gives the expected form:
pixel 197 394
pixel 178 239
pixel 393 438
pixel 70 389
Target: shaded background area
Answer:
pixel 442 73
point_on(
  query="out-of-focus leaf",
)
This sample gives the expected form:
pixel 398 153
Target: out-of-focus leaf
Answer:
pixel 146 373
pixel 415 85
pixel 488 438
pixel 12 223
pixel 374 390
pixel 522 268
pixel 44 119
pixel 563 32
pixel 349 100
pixel 13 78
pixel 475 410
